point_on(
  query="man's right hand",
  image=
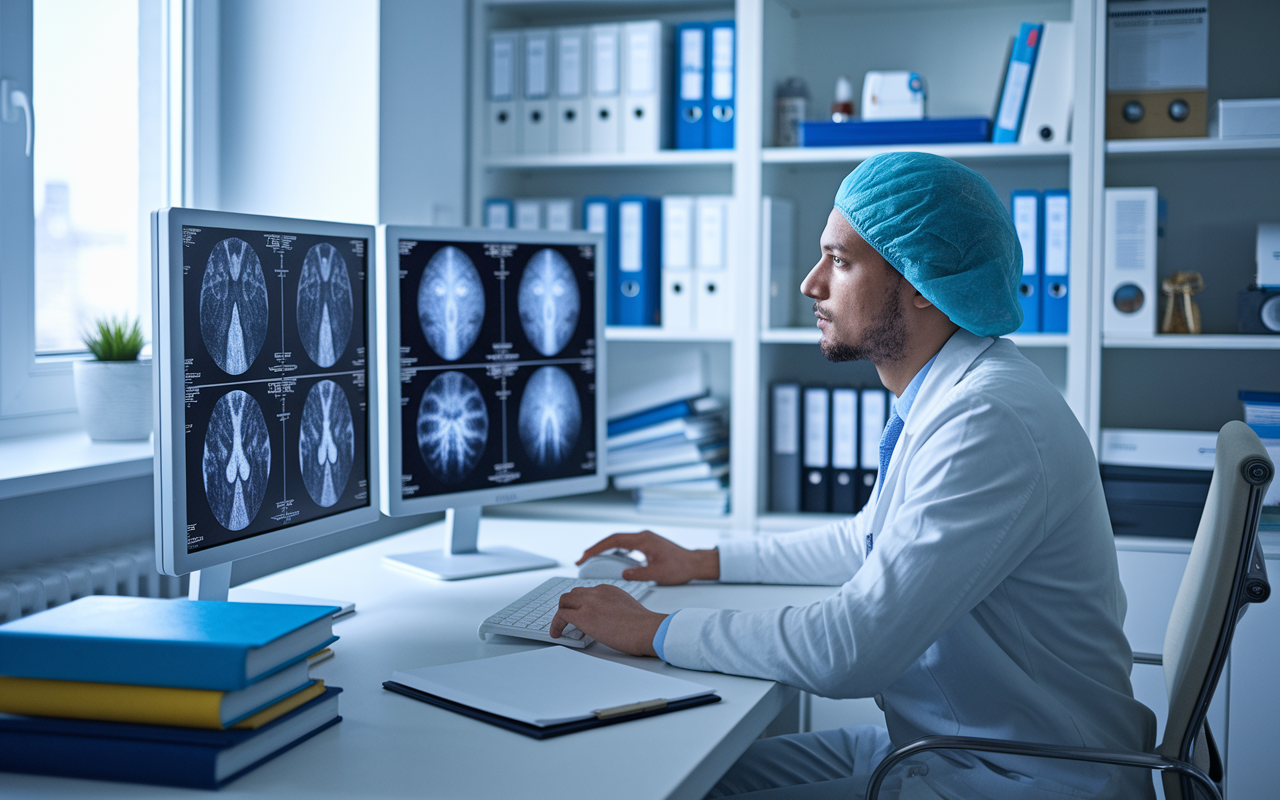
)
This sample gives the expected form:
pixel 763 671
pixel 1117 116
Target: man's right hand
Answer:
pixel 669 563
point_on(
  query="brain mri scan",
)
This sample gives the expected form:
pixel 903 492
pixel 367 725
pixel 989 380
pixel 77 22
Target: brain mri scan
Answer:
pixel 233 305
pixel 549 302
pixel 453 426
pixel 237 460
pixel 326 446
pixel 550 416
pixel 450 303
pixel 324 304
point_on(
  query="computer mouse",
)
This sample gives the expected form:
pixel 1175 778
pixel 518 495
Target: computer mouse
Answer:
pixel 608 565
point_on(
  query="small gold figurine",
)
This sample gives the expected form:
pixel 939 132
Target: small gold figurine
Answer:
pixel 1181 313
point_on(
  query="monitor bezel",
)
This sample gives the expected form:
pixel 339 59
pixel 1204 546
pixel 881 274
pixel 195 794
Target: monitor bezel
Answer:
pixel 391 427
pixel 169 389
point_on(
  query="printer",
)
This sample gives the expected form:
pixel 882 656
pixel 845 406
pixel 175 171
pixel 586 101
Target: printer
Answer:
pixel 1156 482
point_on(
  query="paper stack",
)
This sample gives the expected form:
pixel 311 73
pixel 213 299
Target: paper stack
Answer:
pixel 169 692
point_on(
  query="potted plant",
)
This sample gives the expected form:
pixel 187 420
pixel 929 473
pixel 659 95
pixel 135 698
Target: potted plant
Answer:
pixel 113 390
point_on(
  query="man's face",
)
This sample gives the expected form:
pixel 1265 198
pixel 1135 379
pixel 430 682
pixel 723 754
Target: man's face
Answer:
pixel 858 298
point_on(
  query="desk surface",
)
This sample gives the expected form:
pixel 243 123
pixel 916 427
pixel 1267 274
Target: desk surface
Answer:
pixel 392 746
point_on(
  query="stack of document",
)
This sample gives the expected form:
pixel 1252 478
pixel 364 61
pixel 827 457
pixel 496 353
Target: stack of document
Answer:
pixel 1262 413
pixel 676 457
pixel 168 692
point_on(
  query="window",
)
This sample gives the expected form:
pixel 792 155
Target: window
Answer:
pixel 101 77
pixel 85 162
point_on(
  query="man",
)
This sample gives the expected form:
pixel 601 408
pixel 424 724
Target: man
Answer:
pixel 979 591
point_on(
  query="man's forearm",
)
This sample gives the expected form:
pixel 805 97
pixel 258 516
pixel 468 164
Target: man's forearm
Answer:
pixel 708 564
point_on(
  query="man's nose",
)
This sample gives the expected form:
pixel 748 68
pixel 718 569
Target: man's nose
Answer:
pixel 813 286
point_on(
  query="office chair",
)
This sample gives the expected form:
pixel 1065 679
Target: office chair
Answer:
pixel 1225 573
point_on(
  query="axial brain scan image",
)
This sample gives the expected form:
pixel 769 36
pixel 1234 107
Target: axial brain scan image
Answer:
pixel 453 426
pixel 324 304
pixel 237 460
pixel 450 303
pixel 233 305
pixel 549 302
pixel 550 416
pixel 326 445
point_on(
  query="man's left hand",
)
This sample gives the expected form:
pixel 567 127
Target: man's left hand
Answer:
pixel 610 616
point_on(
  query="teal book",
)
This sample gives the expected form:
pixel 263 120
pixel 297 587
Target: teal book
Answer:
pixel 152 642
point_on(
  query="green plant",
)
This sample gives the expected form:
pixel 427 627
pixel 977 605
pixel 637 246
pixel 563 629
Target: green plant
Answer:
pixel 115 339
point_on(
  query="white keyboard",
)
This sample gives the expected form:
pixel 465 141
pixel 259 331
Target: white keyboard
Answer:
pixel 530 616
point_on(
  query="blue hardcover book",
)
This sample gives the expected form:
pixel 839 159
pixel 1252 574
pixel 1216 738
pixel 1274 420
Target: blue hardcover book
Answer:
pixel 190 757
pixel 1056 298
pixel 1017 81
pixel 638 291
pixel 895 131
pixel 152 642
pixel 600 215
pixel 691 86
pixel 1028 222
pixel 676 410
pixel 721 84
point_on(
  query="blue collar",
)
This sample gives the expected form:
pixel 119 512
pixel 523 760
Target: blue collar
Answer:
pixel 902 406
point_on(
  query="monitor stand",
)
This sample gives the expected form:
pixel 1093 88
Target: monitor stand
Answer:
pixel 214 583
pixel 461 558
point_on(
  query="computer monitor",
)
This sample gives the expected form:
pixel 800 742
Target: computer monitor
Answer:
pixel 265 387
pixel 496 397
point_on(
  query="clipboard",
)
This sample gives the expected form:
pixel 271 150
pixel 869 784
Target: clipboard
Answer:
pixel 602 719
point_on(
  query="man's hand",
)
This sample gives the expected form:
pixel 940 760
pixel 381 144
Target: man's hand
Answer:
pixel 609 615
pixel 669 563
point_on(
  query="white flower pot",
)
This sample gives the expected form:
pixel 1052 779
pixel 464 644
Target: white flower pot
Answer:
pixel 114 398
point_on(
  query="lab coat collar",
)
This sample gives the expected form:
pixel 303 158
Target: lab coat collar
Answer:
pixel 951 364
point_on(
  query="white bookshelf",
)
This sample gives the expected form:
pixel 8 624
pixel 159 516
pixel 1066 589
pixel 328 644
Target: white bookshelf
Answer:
pixel 959 47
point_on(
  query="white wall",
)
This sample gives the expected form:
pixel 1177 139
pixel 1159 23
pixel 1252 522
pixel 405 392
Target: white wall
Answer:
pixel 298 116
pixel 424 112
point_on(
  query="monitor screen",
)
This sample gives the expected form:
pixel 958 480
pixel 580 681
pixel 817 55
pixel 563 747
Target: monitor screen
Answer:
pixel 276 403
pixel 498 341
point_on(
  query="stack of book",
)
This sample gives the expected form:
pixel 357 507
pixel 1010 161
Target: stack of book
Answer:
pixel 169 692
pixel 674 456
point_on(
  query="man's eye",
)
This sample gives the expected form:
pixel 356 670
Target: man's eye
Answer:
pixel 837 260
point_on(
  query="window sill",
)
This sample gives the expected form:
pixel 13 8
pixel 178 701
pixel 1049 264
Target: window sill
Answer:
pixel 33 464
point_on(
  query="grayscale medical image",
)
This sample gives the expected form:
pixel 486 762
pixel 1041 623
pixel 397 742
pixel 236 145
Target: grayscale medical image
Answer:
pixel 324 304
pixel 550 416
pixel 233 305
pixel 450 303
pixel 237 460
pixel 549 301
pixel 327 444
pixel 453 426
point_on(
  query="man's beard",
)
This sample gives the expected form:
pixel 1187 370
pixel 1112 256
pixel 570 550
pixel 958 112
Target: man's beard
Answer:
pixel 884 343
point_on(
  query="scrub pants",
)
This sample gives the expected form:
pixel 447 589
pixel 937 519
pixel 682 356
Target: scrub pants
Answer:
pixel 834 763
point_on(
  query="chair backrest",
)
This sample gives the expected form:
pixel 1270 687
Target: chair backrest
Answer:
pixel 1224 574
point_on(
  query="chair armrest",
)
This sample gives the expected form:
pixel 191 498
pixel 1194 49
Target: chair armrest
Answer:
pixel 1148 658
pixel 1123 758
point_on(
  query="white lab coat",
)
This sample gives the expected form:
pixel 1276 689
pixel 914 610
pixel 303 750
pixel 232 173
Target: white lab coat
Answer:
pixel 990 604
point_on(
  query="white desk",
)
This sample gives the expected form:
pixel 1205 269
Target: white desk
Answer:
pixel 392 746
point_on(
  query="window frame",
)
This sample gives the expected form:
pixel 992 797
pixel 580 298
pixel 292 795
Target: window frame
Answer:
pixel 37 394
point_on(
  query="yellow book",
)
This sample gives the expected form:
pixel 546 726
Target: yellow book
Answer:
pixel 251 707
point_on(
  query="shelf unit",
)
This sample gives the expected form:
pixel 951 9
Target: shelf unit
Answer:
pixel 958 46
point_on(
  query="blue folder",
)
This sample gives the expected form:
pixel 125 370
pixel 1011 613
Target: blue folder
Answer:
pixel 1056 294
pixel 637 293
pixel 600 215
pixel 721 84
pixel 691 86
pixel 1028 220
pixel 1017 83
pixel 895 131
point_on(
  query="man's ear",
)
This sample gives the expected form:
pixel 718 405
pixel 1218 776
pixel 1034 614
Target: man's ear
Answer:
pixel 921 301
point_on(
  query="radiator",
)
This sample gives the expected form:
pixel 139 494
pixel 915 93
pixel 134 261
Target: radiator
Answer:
pixel 129 571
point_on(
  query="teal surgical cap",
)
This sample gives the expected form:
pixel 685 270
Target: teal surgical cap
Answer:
pixel 944 228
